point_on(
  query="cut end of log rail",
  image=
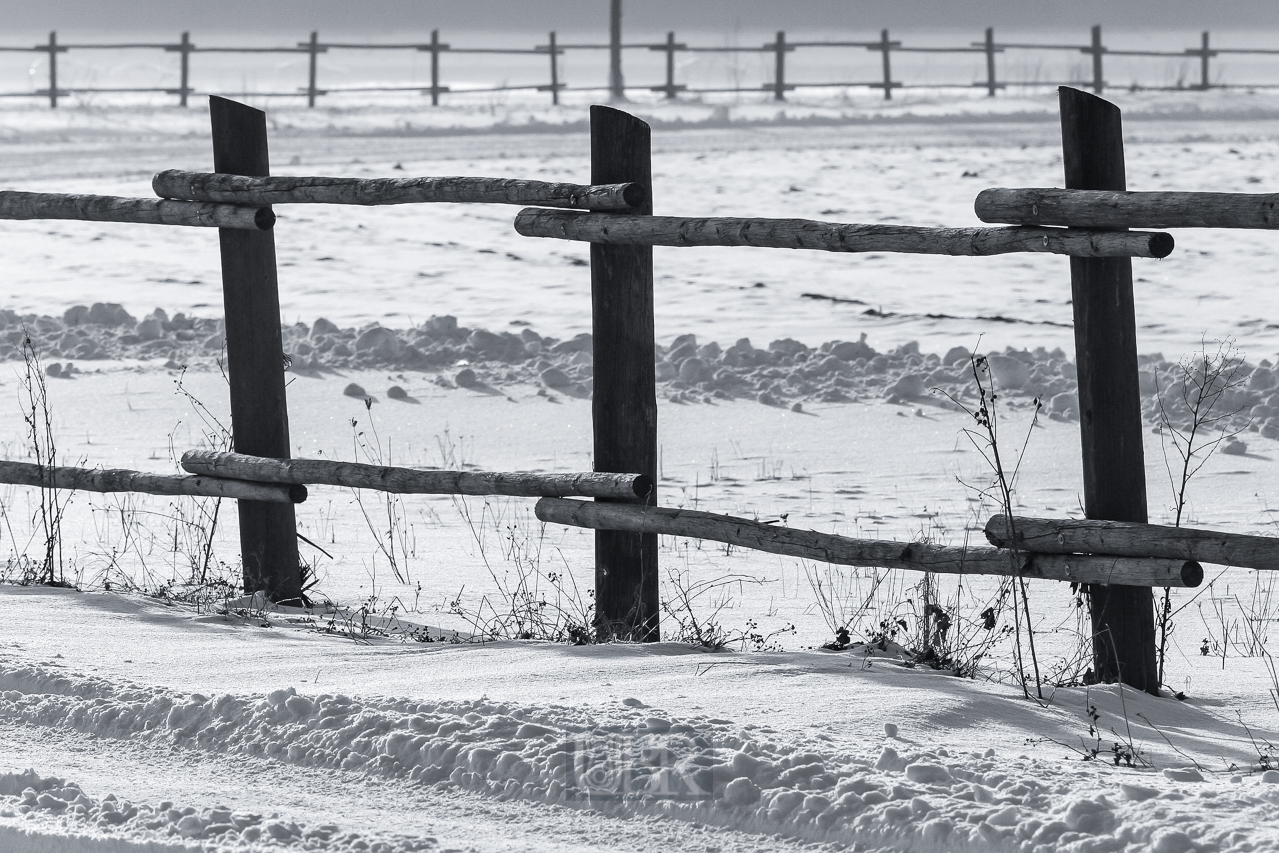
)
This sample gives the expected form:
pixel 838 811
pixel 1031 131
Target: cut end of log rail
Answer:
pixel 1192 574
pixel 634 195
pixel 1161 245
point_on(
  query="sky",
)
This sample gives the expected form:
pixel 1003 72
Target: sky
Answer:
pixel 388 16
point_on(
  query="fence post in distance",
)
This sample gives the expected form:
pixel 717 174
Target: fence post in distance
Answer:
pixel 624 398
pixel 184 84
pixel 53 50
pixel 616 86
pixel 1123 618
pixel 885 46
pixel 555 71
pixel 435 68
pixel 313 50
pixel 1204 53
pixel 779 73
pixel 991 86
pixel 255 357
pixel 670 65
pixel 1098 81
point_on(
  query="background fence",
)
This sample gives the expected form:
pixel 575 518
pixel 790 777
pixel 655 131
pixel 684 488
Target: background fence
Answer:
pixel 431 66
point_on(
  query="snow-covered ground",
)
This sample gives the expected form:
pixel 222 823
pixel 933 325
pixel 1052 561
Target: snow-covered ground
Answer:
pixel 148 723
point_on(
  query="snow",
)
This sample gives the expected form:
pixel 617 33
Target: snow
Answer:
pixel 136 718
pixel 782 744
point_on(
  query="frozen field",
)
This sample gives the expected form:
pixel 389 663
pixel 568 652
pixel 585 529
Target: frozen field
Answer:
pixel 424 746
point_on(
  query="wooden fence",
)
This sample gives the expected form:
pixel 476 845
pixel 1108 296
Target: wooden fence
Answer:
pixel 1117 556
pixel 553 49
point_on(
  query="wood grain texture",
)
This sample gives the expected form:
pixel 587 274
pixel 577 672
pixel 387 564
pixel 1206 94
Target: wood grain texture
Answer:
pixel 1096 536
pixel 845 551
pixel 255 358
pixel 1113 209
pixel 411 481
pixel 624 393
pixel 1123 617
pixel 836 237
pixel 121 480
pixel 207 186
pixel 144 211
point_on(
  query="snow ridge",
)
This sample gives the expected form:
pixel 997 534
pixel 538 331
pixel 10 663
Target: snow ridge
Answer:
pixel 701 770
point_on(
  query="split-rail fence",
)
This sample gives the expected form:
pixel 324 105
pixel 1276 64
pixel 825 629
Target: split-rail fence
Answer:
pixel 1115 554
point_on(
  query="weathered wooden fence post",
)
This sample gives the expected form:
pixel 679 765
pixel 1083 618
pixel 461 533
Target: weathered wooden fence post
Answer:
pixel 555 69
pixel 184 85
pixel 616 86
pixel 670 47
pixel 885 46
pixel 779 66
pixel 435 48
pixel 53 51
pixel 1098 79
pixel 1109 396
pixel 1205 53
pixel 624 401
pixel 313 53
pixel 255 357
pixel 991 86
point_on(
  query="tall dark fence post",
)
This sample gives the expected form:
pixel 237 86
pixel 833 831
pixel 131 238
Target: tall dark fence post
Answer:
pixel 616 86
pixel 1123 618
pixel 991 86
pixel 624 401
pixel 1098 79
pixel 779 66
pixel 255 357
pixel 885 47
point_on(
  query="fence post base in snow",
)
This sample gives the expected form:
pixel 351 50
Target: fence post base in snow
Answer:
pixel 624 399
pixel 1123 617
pixel 255 358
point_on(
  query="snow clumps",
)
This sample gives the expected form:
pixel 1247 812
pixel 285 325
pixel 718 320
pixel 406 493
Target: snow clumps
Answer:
pixel 783 374
pixel 621 759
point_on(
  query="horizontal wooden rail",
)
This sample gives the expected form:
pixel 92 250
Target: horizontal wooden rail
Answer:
pixel 1107 209
pixel 146 211
pixel 836 237
pixel 120 480
pixel 1087 536
pixel 211 186
pixel 841 550
pixel 413 481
